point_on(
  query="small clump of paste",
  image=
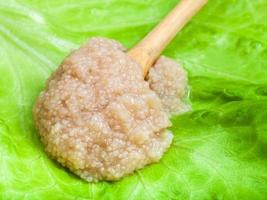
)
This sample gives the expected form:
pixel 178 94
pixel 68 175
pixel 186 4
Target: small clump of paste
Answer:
pixel 98 116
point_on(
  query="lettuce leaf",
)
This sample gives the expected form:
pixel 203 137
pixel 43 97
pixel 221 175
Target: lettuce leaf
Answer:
pixel 220 148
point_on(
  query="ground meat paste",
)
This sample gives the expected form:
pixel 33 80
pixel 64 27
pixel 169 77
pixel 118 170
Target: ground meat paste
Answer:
pixel 100 118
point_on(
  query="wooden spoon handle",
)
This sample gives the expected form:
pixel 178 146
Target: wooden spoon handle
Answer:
pixel 149 49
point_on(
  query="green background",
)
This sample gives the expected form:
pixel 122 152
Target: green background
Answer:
pixel 220 148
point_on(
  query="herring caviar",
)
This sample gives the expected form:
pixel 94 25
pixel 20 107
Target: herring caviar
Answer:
pixel 98 116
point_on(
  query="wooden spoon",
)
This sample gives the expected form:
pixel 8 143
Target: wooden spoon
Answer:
pixel 148 50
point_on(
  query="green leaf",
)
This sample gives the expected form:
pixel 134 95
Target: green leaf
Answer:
pixel 219 149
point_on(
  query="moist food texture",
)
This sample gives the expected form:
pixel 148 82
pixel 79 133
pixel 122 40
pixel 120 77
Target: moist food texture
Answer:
pixel 98 116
